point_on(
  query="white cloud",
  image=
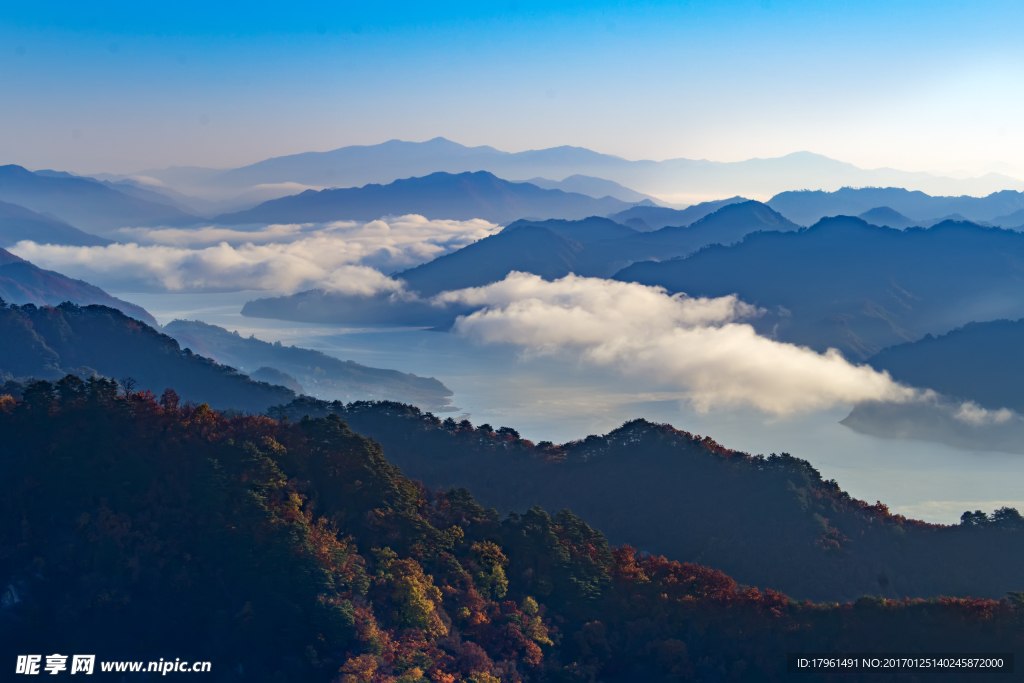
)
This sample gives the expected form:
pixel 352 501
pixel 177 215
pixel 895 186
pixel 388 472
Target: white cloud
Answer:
pixel 194 237
pixel 346 257
pixel 973 414
pixel 698 345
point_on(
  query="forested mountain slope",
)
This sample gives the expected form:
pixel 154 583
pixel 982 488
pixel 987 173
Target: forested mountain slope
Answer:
pixel 296 552
pixel 765 521
pixel 860 288
pixel 47 342
pixel 22 282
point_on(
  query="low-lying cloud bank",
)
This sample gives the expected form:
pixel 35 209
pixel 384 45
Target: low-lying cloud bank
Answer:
pixel 699 345
pixel 939 419
pixel 345 257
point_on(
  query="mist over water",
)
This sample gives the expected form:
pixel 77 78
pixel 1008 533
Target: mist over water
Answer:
pixel 559 398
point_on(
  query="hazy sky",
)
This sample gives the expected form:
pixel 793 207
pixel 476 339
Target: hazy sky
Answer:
pixel 120 87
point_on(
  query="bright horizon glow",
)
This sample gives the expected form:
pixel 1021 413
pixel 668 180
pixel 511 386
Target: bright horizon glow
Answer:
pixel 122 88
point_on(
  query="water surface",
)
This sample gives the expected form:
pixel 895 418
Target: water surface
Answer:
pixel 560 398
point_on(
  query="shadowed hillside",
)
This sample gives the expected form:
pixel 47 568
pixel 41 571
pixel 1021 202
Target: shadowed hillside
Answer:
pixel 806 207
pixel 980 362
pixel 47 342
pixel 295 551
pixel 766 521
pixel 857 287
pixel 24 283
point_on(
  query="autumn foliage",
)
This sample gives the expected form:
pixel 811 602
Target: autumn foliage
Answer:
pixel 765 520
pixel 294 551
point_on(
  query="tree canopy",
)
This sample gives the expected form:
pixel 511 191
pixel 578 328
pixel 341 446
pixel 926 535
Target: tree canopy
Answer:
pixel 293 550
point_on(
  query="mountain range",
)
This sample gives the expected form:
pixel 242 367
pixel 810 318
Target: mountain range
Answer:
pixel 18 223
pixel 484 195
pixel 595 247
pixel 462 196
pixel 645 218
pixel 678 180
pixel 22 282
pixel 85 202
pixel 807 207
pixel 427 187
pixel 860 288
pixel 604 247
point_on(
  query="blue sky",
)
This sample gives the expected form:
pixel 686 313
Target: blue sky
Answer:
pixel 119 87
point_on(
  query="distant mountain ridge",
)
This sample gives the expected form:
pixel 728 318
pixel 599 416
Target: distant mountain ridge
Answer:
pixel 806 207
pixel 687 180
pixel 462 196
pixel 18 223
pixel 85 202
pixel 22 282
pixel 593 187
